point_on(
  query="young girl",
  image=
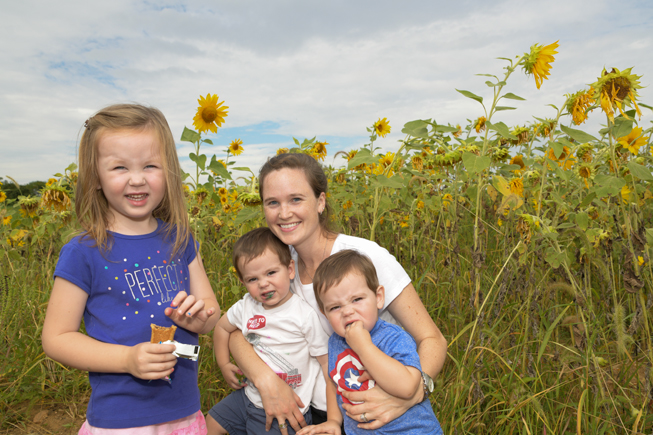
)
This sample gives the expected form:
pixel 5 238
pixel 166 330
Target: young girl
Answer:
pixel 134 264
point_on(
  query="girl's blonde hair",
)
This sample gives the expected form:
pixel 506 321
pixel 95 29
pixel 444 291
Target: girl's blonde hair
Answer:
pixel 91 205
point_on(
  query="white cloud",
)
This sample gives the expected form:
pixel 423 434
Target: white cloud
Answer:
pixel 315 68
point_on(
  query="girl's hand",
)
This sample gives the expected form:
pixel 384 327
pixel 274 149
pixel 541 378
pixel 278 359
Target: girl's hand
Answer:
pixel 189 313
pixel 378 406
pixel 229 372
pixel 151 361
pixel 328 427
pixel 280 402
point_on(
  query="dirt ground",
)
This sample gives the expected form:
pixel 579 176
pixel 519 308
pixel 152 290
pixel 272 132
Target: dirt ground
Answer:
pixel 47 419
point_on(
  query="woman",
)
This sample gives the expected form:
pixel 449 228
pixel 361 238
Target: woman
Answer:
pixel 293 190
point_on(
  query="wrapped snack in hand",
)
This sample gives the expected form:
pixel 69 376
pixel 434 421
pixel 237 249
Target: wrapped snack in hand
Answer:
pixel 162 333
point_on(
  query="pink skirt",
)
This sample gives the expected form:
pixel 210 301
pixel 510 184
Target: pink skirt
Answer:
pixel 191 425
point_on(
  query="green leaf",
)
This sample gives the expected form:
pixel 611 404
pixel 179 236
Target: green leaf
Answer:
pixel 558 148
pixel 548 333
pixel 417 128
pixel 646 105
pixel 199 160
pixel 577 135
pixel 208 141
pixel 445 129
pixel 510 167
pixel 649 235
pixel 219 169
pixel 622 127
pixel 639 171
pixel 607 185
pixel 583 220
pixel 362 156
pixel 472 96
pixel 502 129
pixel 247 214
pixel 512 96
pixel 190 135
pixel 588 200
pixel 500 108
pixel 392 182
pixel 475 164
pixel 554 258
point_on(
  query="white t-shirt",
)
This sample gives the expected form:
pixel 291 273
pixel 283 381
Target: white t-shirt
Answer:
pixel 392 277
pixel 287 338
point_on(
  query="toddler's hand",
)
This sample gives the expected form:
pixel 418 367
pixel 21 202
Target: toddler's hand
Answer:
pixel 229 372
pixel 189 313
pixel 356 335
pixel 151 361
pixel 328 427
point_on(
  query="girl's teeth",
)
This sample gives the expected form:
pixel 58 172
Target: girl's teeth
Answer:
pixel 286 226
pixel 137 197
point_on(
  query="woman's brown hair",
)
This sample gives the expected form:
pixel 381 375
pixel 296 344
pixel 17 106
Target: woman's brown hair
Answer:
pixel 315 176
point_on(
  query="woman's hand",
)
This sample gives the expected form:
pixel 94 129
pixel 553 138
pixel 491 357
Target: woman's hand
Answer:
pixel 150 360
pixel 229 372
pixel 188 312
pixel 280 402
pixel 379 407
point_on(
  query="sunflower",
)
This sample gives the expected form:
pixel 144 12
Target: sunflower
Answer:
pixel 6 220
pixel 3 196
pixel 223 200
pixel 382 127
pixel 446 200
pixel 522 134
pixel 566 160
pixel 480 124
pixel 578 105
pixel 223 191
pixel 28 206
pixel 347 204
pixel 55 197
pixel 584 152
pixel 235 147
pixel 615 88
pixel 585 172
pixel 458 132
pixel 16 240
pixel 538 62
pixel 210 114
pixel 633 140
pixel 386 159
pixel 516 186
pixel 543 129
pixel 418 162
pixel 50 182
pixel 320 149
pixel 625 194
pixel 282 151
pixel 419 205
pixel 518 160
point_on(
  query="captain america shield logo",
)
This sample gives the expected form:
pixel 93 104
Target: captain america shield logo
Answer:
pixel 345 375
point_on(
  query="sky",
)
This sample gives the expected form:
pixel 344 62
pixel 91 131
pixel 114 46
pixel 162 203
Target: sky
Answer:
pixel 294 68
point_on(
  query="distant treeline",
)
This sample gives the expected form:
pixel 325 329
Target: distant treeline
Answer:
pixel 12 191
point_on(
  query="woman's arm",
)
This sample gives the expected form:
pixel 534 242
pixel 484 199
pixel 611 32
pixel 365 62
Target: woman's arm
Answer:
pixel 279 400
pixel 63 342
pixel 407 308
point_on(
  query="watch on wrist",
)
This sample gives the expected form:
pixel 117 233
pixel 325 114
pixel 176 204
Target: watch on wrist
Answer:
pixel 427 383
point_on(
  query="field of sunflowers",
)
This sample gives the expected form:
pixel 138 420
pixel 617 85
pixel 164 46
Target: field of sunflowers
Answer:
pixel 530 245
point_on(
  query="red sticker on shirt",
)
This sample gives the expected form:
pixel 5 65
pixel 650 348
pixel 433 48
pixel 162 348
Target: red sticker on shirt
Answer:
pixel 256 322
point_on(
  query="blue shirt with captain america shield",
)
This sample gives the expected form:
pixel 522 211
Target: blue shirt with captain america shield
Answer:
pixel 345 367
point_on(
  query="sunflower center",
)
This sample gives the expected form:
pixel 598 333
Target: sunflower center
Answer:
pixel 620 87
pixel 209 114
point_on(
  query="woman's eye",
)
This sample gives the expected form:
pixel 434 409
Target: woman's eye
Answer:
pixel 271 203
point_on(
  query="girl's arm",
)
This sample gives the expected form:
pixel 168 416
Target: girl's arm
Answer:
pixel 395 378
pixel 407 308
pixel 221 348
pixel 63 342
pixel 279 400
pixel 195 312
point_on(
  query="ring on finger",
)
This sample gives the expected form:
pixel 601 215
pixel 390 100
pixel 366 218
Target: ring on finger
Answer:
pixel 363 418
pixel 282 425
